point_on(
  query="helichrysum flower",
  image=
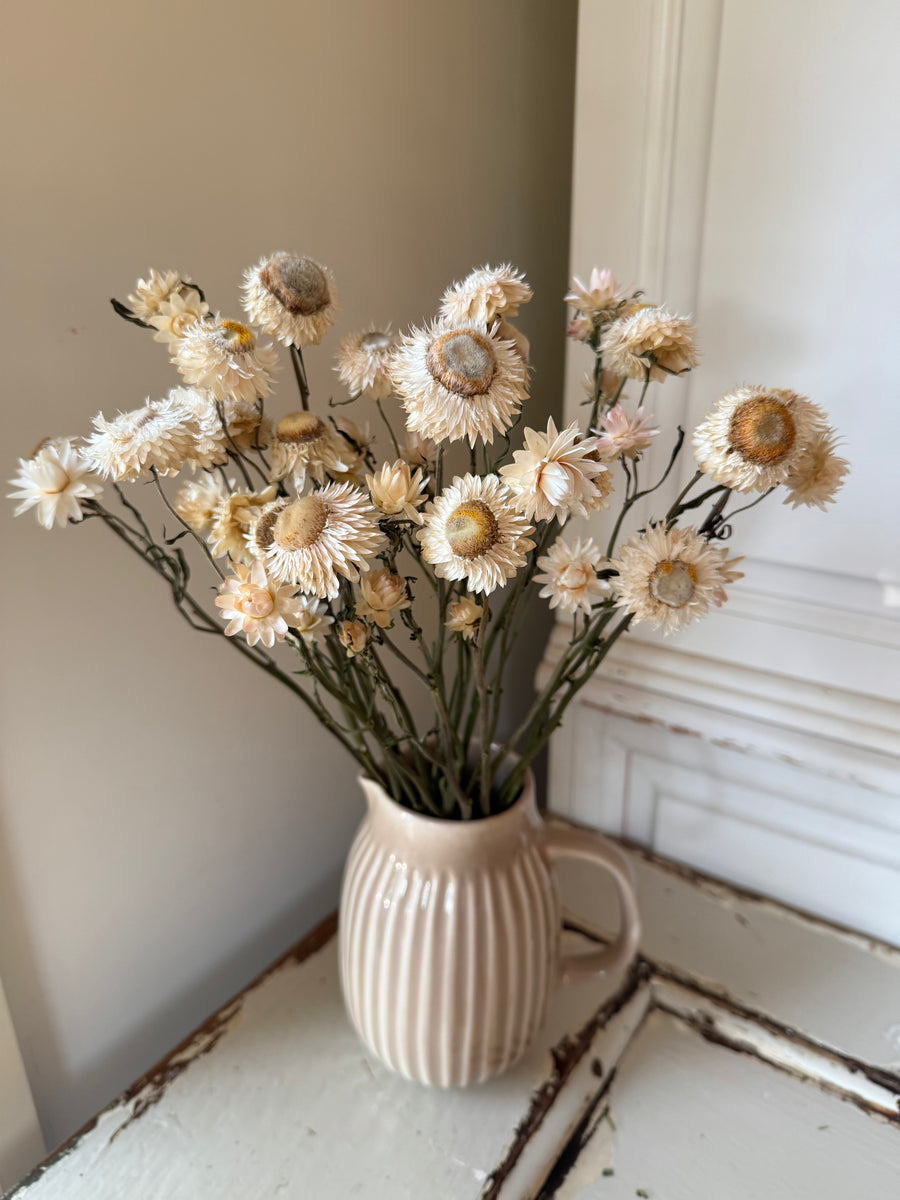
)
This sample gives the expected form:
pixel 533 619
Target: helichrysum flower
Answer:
pixel 223 356
pixel 161 436
pixel 54 481
pixel 473 532
pixel 197 500
pixel 670 578
pixel 458 383
pixel 484 294
pixel 621 434
pixel 419 451
pixel 591 299
pixel 329 532
pixel 304 445
pixel 233 521
pixel 555 475
pixel 364 362
pixel 381 594
pixel 755 437
pixel 818 474
pixel 154 291
pixel 176 315
pixel 210 446
pixel 255 605
pixel 353 636
pixel 311 619
pixel 463 617
pixel 649 344
pixel 395 490
pixel 291 297
pixel 261 525
pixel 570 575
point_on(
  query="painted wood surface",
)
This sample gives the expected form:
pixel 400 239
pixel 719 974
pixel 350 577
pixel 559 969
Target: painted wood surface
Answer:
pixel 743 1029
pixel 20 1136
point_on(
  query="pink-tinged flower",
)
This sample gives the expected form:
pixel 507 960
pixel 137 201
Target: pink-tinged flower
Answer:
pixel 625 435
pixel 601 292
pixel 579 329
pixel 255 605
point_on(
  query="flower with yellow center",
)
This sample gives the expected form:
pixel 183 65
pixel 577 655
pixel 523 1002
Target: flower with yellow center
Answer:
pixel 818 474
pixel 755 437
pixel 555 475
pixel 291 297
pixel 395 490
pixel 302 444
pixel 649 344
pixel 364 362
pixel 197 501
pixel 485 294
pixel 353 636
pixel 176 315
pixel 570 575
pixel 161 436
pixel 223 357
pixel 329 532
pixel 255 605
pixel 473 532
pixel 458 383
pixel 670 578
pixel 233 521
pixel 463 617
pixel 54 481
pixel 382 593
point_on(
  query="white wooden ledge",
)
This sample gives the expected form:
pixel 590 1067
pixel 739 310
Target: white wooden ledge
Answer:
pixel 751 1051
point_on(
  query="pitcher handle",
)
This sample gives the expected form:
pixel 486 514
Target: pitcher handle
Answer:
pixel 563 842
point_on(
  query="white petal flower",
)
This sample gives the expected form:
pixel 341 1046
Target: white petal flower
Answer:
pixel 463 617
pixel 223 356
pixel 364 363
pixel 485 294
pixel 395 490
pixel 755 437
pixel 176 315
pixel 210 446
pixel 597 296
pixel 163 435
pixel 818 474
pixel 473 532
pixel 670 578
pixel 311 619
pixel 54 481
pixel 196 502
pixel 255 605
pixel 303 445
pixel 151 293
pixel 622 434
pixel 291 297
pixel 555 475
pixel 651 343
pixel 382 593
pixel 233 522
pixel 570 575
pixel 329 532
pixel 458 383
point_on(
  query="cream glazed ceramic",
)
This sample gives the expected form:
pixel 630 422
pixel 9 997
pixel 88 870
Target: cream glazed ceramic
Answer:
pixel 449 934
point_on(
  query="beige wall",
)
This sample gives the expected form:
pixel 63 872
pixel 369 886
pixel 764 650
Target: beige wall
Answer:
pixel 169 821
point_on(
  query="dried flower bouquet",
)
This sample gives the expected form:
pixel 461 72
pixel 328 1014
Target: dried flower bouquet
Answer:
pixel 352 580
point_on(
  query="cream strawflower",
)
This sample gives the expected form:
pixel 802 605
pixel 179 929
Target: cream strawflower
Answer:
pixel 595 297
pixel 255 605
pixel 196 502
pixel 395 490
pixel 554 476
pixel 473 532
pixel 570 575
pixel 176 315
pixel 755 437
pixel 311 619
pixel 382 593
pixel 223 356
pixel 210 447
pixel 303 445
pixel 233 521
pixel 262 523
pixel 463 616
pixel 149 294
pixel 485 294
pixel 669 579
pixel 329 532
pixel 621 434
pixel 54 481
pixel 248 429
pixel 353 636
pixel 651 343
pixel 419 451
pixel 818 474
pixel 163 435
pixel 291 297
pixel 364 363
pixel 458 383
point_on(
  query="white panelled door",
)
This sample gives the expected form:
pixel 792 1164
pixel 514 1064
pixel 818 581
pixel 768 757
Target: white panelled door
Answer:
pixel 738 161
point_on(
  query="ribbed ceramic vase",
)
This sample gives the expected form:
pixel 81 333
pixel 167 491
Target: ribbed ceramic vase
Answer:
pixel 449 934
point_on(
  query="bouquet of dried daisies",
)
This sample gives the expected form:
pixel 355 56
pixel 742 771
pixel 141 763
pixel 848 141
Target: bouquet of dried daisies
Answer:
pixel 345 577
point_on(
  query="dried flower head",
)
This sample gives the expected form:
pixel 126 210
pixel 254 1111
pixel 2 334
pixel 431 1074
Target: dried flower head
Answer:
pixel 161 436
pixel 175 315
pixel 818 474
pixel 596 298
pixel 650 344
pixel 311 619
pixel 223 357
pixel 621 434
pixel 554 476
pixel 255 605
pixel 159 288
pixel 233 520
pixel 353 636
pixel 196 501
pixel 303 444
pixel 570 575
pixel 291 297
pixel 54 481
pixel 381 594
pixel 395 490
pixel 364 363
pixel 419 451
pixel 484 294
pixel 463 617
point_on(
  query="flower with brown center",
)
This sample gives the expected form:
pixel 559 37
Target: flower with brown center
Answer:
pixel 291 297
pixel 302 445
